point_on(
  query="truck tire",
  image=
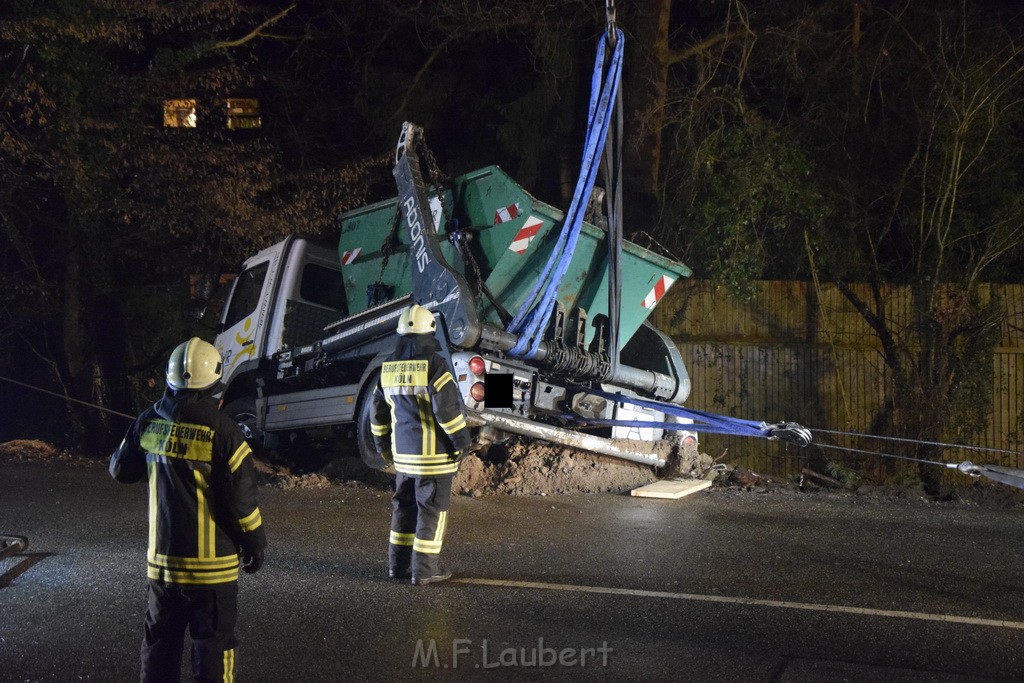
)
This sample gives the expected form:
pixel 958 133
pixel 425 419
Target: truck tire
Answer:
pixel 243 411
pixel 364 436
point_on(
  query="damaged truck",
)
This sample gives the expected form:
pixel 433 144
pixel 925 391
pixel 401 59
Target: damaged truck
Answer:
pixel 306 326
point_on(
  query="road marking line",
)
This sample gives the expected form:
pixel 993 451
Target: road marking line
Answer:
pixel 841 609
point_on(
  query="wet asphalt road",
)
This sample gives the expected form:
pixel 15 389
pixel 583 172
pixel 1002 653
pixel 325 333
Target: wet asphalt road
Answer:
pixel 713 587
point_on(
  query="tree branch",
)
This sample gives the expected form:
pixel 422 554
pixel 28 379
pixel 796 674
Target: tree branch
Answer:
pixel 422 70
pixel 256 32
pixel 676 56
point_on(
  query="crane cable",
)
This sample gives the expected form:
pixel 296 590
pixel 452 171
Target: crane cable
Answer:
pixel 67 398
pixel 613 201
pixel 1011 476
pixel 536 310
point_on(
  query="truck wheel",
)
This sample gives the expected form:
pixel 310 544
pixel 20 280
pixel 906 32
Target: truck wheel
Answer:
pixel 243 411
pixel 364 436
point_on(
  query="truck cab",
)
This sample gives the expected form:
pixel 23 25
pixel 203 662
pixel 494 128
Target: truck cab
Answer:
pixel 284 296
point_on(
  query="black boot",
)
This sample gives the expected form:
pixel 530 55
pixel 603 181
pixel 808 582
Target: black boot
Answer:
pixel 440 575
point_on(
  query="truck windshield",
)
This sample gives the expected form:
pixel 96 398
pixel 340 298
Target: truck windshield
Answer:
pixel 247 294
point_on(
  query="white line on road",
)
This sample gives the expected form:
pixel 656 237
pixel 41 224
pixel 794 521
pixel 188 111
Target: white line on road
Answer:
pixel 840 609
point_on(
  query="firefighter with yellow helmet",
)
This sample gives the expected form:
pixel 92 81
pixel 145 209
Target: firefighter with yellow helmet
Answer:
pixel 419 426
pixel 203 515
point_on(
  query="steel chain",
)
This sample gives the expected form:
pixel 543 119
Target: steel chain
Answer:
pixel 441 182
pixel 388 247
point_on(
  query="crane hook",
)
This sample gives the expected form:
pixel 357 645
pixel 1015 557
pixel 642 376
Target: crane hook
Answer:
pixel 611 28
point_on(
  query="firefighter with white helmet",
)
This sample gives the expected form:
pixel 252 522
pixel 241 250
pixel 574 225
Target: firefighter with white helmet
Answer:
pixel 203 515
pixel 418 425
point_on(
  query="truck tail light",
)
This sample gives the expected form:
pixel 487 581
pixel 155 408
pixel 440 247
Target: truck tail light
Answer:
pixel 477 365
pixel 477 391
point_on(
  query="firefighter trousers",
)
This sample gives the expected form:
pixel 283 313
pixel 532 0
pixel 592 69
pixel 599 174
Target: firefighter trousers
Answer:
pixel 208 613
pixel 419 515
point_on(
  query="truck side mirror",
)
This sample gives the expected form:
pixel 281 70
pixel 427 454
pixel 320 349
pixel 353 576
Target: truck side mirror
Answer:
pixel 200 289
pixel 196 309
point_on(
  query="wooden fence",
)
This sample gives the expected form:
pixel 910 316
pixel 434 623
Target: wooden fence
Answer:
pixel 799 354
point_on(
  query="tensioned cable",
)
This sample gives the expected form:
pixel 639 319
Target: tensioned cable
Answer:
pixel 916 441
pixel 67 398
pixel 1011 476
pixel 881 455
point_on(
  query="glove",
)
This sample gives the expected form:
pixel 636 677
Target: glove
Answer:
pixel 457 456
pixel 388 457
pixel 252 560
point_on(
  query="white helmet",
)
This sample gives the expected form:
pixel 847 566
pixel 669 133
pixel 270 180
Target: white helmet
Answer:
pixel 416 320
pixel 194 364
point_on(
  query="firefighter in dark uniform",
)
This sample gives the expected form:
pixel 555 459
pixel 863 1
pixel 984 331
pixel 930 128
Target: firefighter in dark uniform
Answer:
pixel 418 424
pixel 203 514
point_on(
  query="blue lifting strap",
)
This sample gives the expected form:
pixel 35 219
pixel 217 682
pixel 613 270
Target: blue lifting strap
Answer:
pixel 531 319
pixel 703 421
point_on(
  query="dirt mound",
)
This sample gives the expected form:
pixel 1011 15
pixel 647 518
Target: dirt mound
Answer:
pixel 36 451
pixel 281 478
pixel 536 468
pixel 517 467
pixel 317 471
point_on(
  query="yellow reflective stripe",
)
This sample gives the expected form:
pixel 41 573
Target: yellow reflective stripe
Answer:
pixel 153 505
pixel 425 547
pixel 401 539
pixel 454 425
pixel 206 530
pixel 379 430
pixel 194 577
pixel 394 420
pixel 433 546
pixel 404 391
pixel 431 429
pixel 426 415
pixel 442 380
pixel 212 563
pixel 427 470
pixel 417 459
pixel 229 665
pixel 252 521
pixel 239 455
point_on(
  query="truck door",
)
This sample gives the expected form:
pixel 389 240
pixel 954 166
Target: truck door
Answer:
pixel 244 318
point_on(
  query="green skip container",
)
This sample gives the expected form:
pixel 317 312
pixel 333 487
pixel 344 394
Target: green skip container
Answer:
pixel 513 237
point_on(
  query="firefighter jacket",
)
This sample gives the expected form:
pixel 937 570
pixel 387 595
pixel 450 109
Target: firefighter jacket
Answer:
pixel 202 488
pixel 417 417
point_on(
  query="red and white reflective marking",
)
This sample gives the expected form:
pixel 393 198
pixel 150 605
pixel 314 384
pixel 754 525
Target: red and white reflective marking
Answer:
pixel 526 234
pixel 660 287
pixel 508 213
pixel 350 256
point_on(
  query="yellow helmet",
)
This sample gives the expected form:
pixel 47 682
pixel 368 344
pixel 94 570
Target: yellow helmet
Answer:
pixel 416 320
pixel 194 364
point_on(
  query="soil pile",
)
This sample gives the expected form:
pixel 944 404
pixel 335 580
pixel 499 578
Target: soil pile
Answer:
pixel 35 451
pixel 519 467
pixel 536 468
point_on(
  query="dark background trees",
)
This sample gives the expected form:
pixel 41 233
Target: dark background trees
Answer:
pixel 856 140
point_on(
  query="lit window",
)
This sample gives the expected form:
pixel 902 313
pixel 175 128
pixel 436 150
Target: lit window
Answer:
pixel 179 113
pixel 243 113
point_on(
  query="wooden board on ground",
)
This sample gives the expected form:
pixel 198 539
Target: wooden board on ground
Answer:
pixel 671 488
